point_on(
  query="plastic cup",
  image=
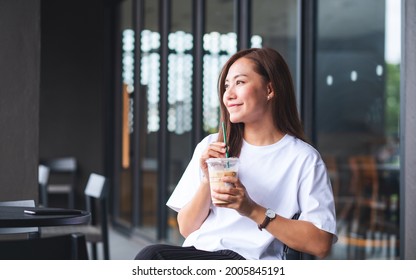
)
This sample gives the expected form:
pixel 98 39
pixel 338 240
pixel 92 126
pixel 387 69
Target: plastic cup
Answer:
pixel 217 169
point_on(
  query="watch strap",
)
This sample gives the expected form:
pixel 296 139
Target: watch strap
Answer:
pixel 269 215
pixel 264 224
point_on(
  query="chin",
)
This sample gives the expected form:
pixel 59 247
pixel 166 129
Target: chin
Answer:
pixel 236 117
pixel 235 120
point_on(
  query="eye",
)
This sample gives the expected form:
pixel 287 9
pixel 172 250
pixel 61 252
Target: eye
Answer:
pixel 225 86
pixel 239 82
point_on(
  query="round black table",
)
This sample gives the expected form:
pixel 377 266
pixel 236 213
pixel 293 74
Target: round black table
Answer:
pixel 13 216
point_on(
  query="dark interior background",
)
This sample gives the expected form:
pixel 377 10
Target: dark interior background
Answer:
pixel 74 83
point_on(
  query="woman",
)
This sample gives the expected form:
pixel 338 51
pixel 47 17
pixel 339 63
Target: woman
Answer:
pixel 279 174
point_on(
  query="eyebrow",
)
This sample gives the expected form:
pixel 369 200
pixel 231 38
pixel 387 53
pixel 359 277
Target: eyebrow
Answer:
pixel 237 76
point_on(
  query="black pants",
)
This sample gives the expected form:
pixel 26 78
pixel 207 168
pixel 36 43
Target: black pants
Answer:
pixel 171 252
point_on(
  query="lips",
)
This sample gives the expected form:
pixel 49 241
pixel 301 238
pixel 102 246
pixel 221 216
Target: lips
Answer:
pixel 233 108
pixel 233 105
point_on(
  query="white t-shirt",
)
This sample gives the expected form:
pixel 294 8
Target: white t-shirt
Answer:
pixel 288 176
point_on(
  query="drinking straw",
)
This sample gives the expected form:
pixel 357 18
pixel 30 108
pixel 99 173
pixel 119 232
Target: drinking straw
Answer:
pixel 224 133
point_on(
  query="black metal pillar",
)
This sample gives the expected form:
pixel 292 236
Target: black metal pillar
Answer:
pixel 139 95
pixel 163 155
pixel 243 23
pixel 306 65
pixel 198 27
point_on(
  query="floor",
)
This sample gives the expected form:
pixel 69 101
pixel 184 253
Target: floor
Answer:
pixel 123 247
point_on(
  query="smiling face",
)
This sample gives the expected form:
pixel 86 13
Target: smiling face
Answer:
pixel 247 94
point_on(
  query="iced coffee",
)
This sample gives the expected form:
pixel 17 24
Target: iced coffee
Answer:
pixel 219 168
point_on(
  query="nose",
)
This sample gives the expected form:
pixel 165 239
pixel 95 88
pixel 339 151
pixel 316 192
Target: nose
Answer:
pixel 229 93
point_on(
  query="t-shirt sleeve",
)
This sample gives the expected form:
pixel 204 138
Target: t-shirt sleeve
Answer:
pixel 316 198
pixel 190 180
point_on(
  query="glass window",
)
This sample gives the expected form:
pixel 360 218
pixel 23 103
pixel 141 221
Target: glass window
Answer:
pixel 149 95
pixel 275 25
pixel 357 114
pixel 127 92
pixel 180 75
pixel 219 43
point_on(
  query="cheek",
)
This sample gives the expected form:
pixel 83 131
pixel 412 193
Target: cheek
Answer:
pixel 223 99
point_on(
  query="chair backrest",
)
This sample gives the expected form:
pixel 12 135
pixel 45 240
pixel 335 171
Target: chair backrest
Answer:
pixel 63 177
pixel 95 193
pixel 62 164
pixel 96 200
pixel 95 186
pixel 43 174
pixel 364 175
pixel 43 178
pixel 63 247
pixel 29 230
pixel 96 197
pixel 333 173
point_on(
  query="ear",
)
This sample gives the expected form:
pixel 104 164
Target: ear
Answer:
pixel 270 91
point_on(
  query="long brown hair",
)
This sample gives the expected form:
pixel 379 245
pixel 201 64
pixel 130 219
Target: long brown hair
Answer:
pixel 273 68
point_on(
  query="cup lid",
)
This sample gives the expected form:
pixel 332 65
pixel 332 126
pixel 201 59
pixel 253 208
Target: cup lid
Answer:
pixel 232 159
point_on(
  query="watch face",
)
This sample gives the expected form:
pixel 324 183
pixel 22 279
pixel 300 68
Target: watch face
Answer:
pixel 270 213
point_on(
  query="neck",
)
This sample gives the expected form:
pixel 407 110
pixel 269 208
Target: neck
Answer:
pixel 262 134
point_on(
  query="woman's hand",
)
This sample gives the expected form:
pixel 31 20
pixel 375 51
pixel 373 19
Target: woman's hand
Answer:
pixel 291 232
pixel 235 197
pixel 194 213
pixel 214 150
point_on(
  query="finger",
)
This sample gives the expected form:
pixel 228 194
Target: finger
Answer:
pixel 230 179
pixel 216 153
pixel 232 182
pixel 221 189
pixel 219 196
pixel 217 144
pixel 227 193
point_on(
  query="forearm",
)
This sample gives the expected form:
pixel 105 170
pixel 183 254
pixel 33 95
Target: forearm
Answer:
pixel 298 235
pixel 193 214
pixel 303 236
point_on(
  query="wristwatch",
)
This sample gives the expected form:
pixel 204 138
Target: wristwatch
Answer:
pixel 270 215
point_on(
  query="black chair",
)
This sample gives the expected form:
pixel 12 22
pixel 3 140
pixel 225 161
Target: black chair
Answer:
pixel 64 247
pixel 31 232
pixel 97 231
pixel 63 173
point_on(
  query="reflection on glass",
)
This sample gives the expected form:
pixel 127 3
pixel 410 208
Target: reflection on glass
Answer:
pixel 127 99
pixel 180 102
pixel 148 95
pixel 127 125
pixel 357 109
pixel 180 82
pixel 219 42
pixel 275 25
pixel 150 76
pixel 218 48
